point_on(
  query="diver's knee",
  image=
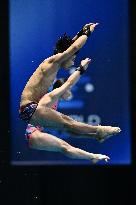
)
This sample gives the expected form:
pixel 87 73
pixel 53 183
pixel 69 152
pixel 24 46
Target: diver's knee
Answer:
pixel 64 147
pixel 68 122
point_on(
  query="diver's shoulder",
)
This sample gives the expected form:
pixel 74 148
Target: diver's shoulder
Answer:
pixel 53 59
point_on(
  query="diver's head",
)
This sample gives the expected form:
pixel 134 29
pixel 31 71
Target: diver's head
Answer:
pixel 68 94
pixel 63 43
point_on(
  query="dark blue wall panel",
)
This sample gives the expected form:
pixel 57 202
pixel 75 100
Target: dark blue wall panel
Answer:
pixel 102 94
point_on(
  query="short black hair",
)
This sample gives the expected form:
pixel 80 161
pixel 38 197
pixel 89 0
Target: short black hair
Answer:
pixel 63 43
pixel 59 83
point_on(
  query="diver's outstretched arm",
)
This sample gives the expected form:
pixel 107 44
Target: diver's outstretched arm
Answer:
pixel 76 46
pixel 78 43
pixel 54 95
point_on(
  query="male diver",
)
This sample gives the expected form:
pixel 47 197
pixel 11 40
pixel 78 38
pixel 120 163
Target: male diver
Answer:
pixel 34 107
pixel 40 140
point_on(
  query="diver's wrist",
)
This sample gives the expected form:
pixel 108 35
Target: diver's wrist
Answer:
pixel 81 69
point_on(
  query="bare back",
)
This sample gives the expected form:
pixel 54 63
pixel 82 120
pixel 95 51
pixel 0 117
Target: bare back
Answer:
pixel 39 83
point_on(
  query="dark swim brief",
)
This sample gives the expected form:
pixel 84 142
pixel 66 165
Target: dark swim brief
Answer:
pixel 25 113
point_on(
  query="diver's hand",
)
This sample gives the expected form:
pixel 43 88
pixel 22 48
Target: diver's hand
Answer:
pixel 85 63
pixel 91 26
pixel 86 30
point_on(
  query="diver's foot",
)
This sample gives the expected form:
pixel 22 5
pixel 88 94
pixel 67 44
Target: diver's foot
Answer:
pixel 98 157
pixel 105 132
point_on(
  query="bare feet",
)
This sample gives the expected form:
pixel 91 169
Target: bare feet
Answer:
pixel 105 132
pixel 97 157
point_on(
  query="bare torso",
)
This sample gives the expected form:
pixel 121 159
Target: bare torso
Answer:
pixel 39 83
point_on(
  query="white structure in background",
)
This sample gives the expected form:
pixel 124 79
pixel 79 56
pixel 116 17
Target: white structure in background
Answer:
pixel 89 87
pixel 94 119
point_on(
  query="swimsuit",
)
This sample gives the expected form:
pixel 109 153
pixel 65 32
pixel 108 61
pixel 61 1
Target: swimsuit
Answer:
pixel 26 112
pixel 31 128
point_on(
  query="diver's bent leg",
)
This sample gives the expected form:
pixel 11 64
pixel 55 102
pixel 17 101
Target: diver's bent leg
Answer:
pixel 47 117
pixel 48 142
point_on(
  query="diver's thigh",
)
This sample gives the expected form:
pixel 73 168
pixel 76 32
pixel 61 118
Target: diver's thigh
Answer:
pixel 47 117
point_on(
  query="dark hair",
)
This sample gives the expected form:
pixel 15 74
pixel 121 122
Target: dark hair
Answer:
pixel 59 83
pixel 63 43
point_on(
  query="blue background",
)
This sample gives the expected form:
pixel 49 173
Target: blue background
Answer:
pixel 34 28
